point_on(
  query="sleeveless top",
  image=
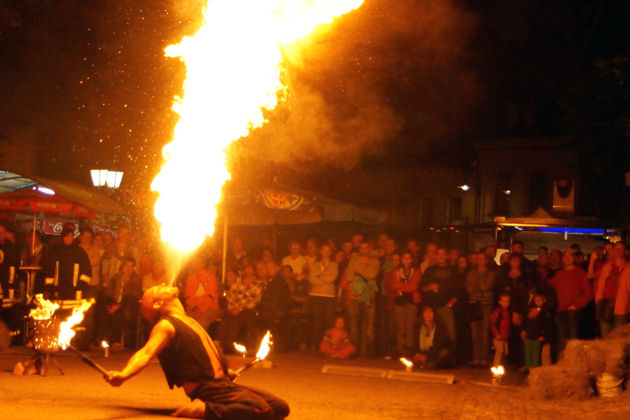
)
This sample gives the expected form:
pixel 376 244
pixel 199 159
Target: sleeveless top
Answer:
pixel 191 356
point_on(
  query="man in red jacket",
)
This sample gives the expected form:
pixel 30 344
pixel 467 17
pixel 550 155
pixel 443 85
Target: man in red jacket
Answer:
pixel 573 292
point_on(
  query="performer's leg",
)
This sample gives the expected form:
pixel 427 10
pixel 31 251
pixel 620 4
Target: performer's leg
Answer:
pixel 280 406
pixel 229 401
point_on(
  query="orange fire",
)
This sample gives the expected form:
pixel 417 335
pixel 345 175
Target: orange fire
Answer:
pixel 65 328
pixel 44 308
pixel 265 346
pixel 233 66
pixel 240 348
pixel 406 362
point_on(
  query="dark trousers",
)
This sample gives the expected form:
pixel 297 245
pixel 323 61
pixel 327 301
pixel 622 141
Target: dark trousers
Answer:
pixel 226 400
pixel 385 329
pixel 321 312
pixel 567 323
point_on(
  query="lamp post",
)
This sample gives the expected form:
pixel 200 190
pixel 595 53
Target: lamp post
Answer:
pixel 106 178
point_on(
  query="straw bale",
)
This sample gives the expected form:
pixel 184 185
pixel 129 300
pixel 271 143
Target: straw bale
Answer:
pixel 550 382
pixel 622 332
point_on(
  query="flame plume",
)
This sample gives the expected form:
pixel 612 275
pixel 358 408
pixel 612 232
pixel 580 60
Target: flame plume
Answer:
pixel 65 328
pixel 265 346
pixel 233 67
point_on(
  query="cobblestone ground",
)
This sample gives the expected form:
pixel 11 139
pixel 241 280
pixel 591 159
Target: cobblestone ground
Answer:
pixel 82 394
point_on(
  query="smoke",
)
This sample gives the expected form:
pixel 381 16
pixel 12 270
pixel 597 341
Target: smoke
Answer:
pixel 390 76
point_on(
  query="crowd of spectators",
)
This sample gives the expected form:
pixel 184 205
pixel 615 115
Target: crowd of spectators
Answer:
pixel 365 297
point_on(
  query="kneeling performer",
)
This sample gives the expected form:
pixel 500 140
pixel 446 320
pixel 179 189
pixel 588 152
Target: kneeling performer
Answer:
pixel 191 360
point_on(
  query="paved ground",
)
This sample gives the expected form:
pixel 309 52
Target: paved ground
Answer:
pixel 82 394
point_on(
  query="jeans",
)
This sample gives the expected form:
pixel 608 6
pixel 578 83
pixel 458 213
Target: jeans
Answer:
pixel 362 326
pixel 385 328
pixel 500 351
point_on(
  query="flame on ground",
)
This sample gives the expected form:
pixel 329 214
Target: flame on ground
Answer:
pixel 497 371
pixel 265 346
pixel 233 71
pixel 406 362
pixel 45 309
pixel 104 344
pixel 65 328
pixel 240 348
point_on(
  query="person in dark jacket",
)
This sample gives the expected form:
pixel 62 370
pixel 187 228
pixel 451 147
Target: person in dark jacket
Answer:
pixel 192 361
pixel 439 290
pixel 500 323
pixel 537 329
pixel 434 349
pixel 67 266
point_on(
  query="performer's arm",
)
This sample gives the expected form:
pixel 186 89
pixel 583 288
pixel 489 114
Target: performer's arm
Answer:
pixel 161 335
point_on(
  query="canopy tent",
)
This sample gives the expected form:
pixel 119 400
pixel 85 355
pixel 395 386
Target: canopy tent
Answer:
pixel 53 202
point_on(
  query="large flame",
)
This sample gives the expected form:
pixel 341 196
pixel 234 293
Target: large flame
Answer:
pixel 66 331
pixel 233 67
pixel 265 346
pixel 44 308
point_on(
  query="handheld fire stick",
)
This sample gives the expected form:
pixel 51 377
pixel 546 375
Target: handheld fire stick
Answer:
pixel 263 351
pixel 89 361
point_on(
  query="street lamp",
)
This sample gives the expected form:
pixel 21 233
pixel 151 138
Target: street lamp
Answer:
pixel 104 177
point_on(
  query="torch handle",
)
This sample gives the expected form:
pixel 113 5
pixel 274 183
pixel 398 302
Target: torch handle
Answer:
pixel 89 361
pixel 247 366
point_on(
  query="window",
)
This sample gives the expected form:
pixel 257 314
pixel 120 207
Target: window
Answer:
pixel 453 209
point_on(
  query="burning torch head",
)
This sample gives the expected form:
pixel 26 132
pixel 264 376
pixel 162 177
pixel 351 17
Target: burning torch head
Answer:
pixel 157 300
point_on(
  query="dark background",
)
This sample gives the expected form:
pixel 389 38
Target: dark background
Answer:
pixel 85 84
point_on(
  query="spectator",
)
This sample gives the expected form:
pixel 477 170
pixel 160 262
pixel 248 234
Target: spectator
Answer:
pixel 356 240
pixel 236 253
pixel 453 256
pixel 537 331
pixel 555 262
pixel 606 287
pixel 310 255
pixel 336 342
pixel 115 253
pixel 573 292
pixel 201 293
pixel 434 349
pixel 439 290
pixel 491 253
pixel 298 293
pixel 321 301
pixel 385 319
pixel 360 287
pixel 157 275
pixel 403 284
pixel 381 245
pixel 67 267
pixel 120 302
pixel 243 296
pixel 274 305
pixel 429 257
pixel 500 322
pixel 94 253
pixel 296 260
pixel 9 257
pixel 519 249
pixel 480 283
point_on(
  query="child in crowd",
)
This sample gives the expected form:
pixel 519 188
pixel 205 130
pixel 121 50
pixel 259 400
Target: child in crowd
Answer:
pixel 537 329
pixel 336 342
pixel 500 322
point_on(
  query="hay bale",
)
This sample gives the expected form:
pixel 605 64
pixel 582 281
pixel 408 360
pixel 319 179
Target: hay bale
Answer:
pixel 549 382
pixel 622 332
pixel 583 354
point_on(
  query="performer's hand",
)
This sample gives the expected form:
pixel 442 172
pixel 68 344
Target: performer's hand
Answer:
pixel 115 378
pixel 233 374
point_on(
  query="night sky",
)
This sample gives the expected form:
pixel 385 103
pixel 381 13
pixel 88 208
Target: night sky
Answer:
pixel 396 83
